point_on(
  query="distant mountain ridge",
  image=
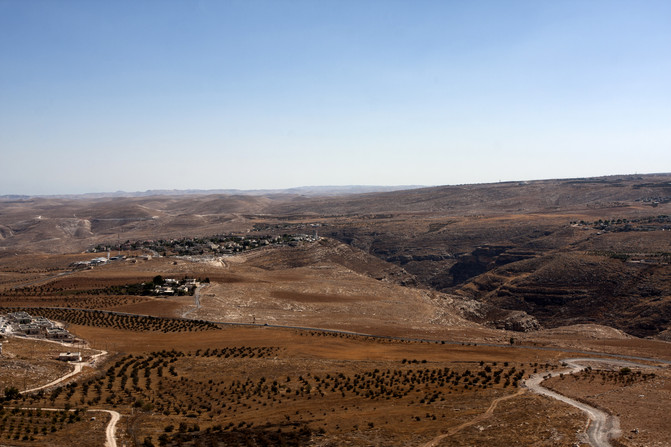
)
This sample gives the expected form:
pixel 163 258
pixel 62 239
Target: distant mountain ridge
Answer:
pixel 308 191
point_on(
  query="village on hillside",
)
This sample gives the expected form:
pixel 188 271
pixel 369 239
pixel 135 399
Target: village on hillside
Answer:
pixel 23 324
pixel 190 246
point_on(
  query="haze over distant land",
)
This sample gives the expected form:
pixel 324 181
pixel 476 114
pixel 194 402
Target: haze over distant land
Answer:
pixel 136 96
pixel 301 190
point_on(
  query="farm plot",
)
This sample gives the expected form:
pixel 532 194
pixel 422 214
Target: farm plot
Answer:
pixel 21 427
pixel 233 392
pixel 128 322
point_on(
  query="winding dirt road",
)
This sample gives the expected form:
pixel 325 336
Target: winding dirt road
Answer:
pixel 77 369
pixel 78 366
pixel 602 426
pixel 110 430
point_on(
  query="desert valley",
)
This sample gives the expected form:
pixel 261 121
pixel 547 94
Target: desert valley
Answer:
pixel 517 313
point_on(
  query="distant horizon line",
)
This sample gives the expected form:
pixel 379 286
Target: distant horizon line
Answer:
pixel 321 189
pixel 312 190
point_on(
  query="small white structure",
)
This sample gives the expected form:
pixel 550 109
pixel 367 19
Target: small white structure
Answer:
pixel 70 356
pixel 164 290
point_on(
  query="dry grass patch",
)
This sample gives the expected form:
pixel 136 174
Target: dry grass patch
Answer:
pixel 28 363
pixel 19 427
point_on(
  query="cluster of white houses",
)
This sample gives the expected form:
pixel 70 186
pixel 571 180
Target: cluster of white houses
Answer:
pixel 97 261
pixel 21 323
pixel 172 286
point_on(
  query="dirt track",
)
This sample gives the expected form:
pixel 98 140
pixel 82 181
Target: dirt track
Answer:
pixel 110 431
pixel 77 369
pixel 602 427
pixel 436 441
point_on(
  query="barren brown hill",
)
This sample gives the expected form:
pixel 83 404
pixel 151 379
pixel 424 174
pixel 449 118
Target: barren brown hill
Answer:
pixel 575 288
pixel 271 347
pixel 507 197
pixel 440 238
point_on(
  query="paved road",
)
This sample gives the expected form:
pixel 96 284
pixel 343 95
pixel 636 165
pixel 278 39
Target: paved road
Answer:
pixel 603 426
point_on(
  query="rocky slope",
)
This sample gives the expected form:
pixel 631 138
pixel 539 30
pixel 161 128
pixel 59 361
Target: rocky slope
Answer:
pixel 564 251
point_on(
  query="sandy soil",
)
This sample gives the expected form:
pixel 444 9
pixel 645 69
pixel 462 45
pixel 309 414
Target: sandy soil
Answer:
pixel 642 405
pixel 28 363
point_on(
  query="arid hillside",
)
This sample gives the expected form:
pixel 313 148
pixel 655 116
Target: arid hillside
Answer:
pixel 566 288
pixel 284 320
pixel 565 251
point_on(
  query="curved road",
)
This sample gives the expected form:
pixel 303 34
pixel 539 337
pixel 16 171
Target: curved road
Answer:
pixel 602 426
pixel 110 430
pixel 77 369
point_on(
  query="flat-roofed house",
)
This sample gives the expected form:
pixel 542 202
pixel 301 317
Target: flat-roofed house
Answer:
pixel 70 356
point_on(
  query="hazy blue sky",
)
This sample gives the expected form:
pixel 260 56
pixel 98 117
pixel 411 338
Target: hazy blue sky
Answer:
pixel 135 95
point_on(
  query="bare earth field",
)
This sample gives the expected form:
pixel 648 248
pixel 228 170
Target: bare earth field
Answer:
pixel 639 397
pixel 30 363
pixel 341 389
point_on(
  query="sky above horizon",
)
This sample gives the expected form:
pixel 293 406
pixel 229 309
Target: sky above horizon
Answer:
pixel 164 94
